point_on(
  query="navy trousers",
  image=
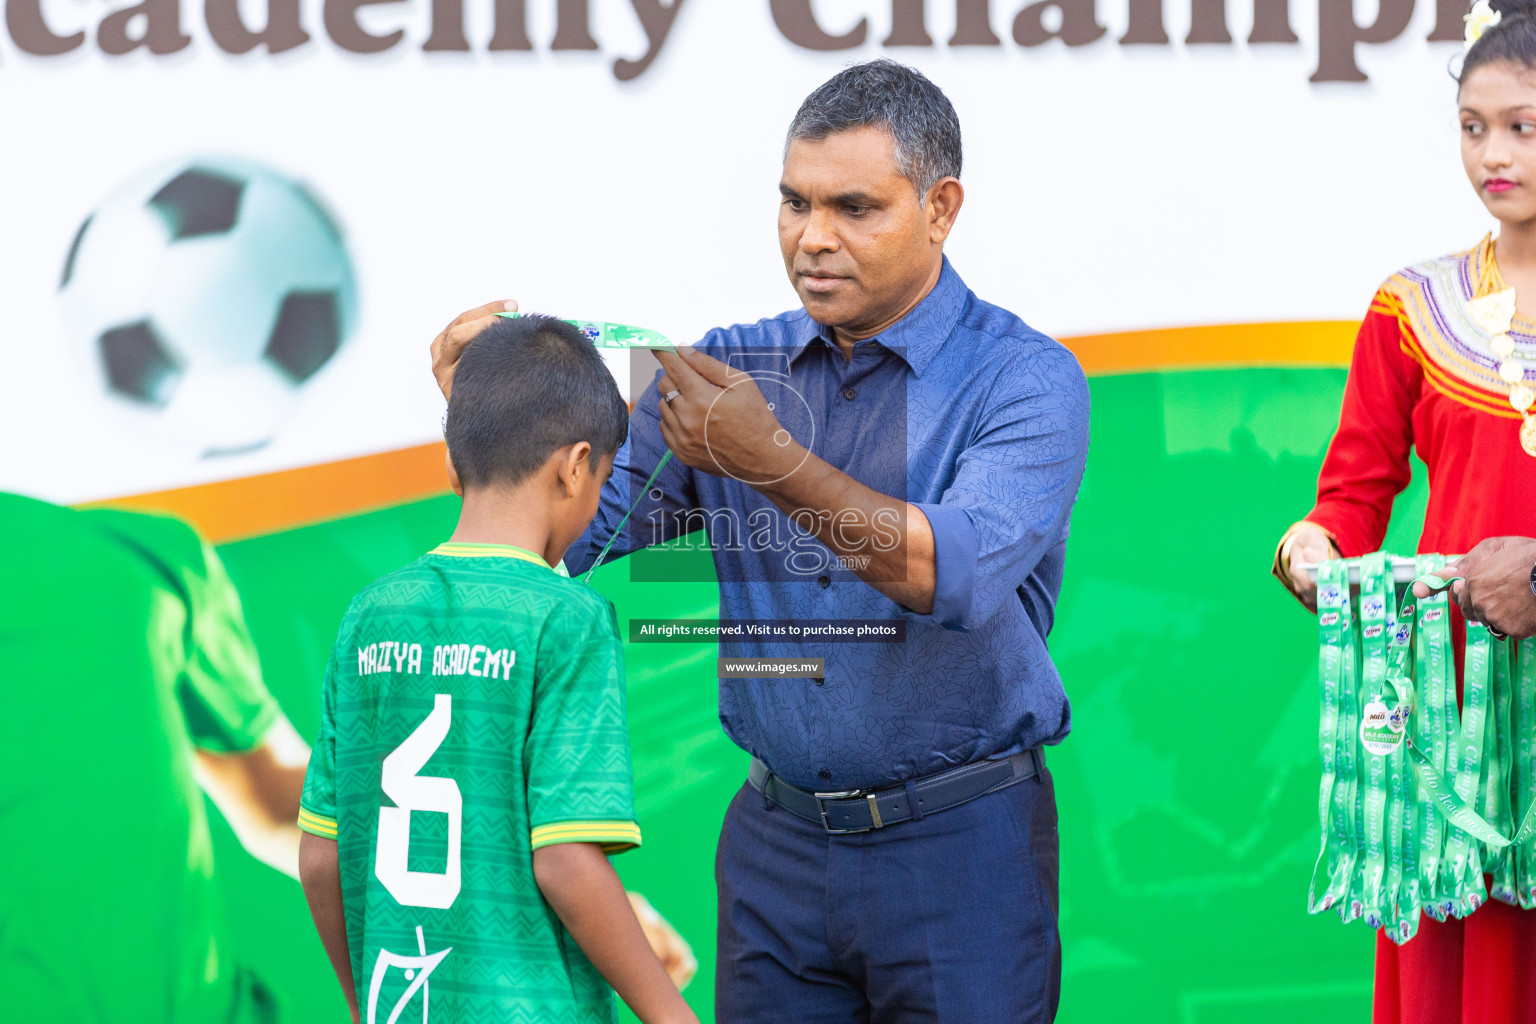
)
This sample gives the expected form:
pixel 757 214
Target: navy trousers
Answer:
pixel 948 918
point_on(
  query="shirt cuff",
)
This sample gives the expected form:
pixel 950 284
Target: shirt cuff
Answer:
pixel 317 824
pixel 954 566
pixel 615 836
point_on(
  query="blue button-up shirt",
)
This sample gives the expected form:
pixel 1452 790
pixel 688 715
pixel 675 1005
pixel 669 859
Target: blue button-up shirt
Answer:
pixel 961 409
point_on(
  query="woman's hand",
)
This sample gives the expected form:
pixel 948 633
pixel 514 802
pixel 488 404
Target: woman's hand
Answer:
pixel 1308 544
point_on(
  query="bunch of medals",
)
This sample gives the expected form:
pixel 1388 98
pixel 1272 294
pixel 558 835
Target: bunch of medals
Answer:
pixel 1419 799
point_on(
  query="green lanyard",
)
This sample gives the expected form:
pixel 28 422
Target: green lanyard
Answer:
pixel 1436 690
pixel 1523 728
pixel 1499 861
pixel 1402 895
pixel 609 335
pixel 1335 859
pixel 1376 732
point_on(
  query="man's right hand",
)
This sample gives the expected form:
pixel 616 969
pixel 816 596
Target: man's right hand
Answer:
pixel 1496 585
pixel 450 342
pixel 1309 545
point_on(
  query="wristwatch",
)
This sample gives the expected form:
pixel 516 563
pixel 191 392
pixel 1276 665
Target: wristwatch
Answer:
pixel 1533 579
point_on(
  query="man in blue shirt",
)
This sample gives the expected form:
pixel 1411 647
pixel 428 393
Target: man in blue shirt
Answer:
pixel 897 450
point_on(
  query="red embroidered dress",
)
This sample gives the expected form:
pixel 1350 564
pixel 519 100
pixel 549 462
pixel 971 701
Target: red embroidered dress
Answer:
pixel 1423 376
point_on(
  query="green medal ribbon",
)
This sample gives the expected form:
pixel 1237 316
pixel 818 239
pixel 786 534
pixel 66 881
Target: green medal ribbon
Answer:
pixel 1402 886
pixel 1418 800
pixel 603 334
pixel 1376 733
pixel 1499 861
pixel 1335 859
pixel 1523 728
pixel 1437 683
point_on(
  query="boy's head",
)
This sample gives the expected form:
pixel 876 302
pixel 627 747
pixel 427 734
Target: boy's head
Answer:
pixel 525 389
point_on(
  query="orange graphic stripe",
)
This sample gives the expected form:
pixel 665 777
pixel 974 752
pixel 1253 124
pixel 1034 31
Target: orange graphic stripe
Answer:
pixel 1222 346
pixel 255 505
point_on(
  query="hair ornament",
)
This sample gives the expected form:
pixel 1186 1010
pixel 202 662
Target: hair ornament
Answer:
pixel 1480 19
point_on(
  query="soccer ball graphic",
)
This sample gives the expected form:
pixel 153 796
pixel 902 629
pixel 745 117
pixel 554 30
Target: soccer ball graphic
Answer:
pixel 201 295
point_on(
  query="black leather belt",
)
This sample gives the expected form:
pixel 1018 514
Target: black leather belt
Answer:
pixel 859 810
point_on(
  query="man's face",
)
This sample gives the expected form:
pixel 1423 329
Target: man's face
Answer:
pixel 857 245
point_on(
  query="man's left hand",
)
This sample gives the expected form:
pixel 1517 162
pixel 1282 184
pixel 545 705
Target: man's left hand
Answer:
pixel 719 422
pixel 1496 585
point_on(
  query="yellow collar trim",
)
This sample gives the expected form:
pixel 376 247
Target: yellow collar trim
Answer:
pixel 1485 269
pixel 465 549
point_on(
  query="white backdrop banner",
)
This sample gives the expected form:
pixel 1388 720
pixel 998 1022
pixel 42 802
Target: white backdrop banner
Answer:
pixel 230 228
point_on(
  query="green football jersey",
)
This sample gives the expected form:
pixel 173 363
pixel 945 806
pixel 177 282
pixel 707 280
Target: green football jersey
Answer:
pixel 124 649
pixel 473 711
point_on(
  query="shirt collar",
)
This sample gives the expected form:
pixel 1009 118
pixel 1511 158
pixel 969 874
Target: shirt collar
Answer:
pixel 916 337
pixel 470 549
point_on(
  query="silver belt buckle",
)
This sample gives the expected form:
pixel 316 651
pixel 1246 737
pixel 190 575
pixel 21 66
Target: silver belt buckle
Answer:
pixel 843 794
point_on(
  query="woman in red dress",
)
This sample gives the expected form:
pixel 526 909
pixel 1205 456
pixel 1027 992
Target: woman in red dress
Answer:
pixel 1445 365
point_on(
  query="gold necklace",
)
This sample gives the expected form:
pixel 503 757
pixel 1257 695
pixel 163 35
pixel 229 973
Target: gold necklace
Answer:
pixel 1495 313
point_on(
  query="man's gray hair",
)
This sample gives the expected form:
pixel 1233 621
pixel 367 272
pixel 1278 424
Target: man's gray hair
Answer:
pixel 896 99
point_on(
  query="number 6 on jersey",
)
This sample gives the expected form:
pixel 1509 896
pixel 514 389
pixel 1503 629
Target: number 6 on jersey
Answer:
pixel 413 792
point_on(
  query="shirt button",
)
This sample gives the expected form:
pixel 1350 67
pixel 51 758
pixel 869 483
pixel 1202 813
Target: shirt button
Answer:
pixel 850 394
pixel 824 775
pixel 824 581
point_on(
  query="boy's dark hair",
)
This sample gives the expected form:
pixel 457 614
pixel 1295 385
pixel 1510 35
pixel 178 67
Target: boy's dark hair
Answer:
pixel 524 388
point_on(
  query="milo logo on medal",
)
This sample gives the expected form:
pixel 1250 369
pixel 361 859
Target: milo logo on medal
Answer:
pixel 1376 728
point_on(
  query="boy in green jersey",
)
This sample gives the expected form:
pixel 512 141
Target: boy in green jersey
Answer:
pixel 472 769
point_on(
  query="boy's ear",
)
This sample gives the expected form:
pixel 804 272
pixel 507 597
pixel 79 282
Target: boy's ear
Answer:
pixel 574 467
pixel 453 474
